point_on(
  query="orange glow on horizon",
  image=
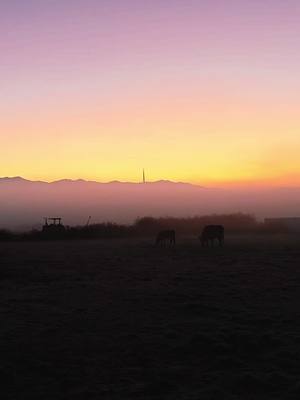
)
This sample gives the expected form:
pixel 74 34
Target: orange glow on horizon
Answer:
pixel 196 93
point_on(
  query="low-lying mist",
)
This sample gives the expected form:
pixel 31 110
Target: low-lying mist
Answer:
pixel 23 204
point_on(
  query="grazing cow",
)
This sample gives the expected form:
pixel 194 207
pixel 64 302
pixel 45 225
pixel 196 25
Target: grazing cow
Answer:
pixel 165 236
pixel 210 233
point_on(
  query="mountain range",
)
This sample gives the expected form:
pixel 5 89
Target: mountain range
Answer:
pixel 24 203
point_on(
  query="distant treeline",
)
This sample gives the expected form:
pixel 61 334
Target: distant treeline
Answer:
pixel 193 225
pixel 149 226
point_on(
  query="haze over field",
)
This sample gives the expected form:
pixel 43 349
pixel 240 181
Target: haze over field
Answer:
pixel 115 110
pixel 204 92
pixel 24 203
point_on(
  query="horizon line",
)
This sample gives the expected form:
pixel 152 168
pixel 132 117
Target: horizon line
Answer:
pixel 19 177
pixel 264 183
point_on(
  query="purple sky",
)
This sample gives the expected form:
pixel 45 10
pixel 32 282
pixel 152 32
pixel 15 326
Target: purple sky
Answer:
pixel 165 81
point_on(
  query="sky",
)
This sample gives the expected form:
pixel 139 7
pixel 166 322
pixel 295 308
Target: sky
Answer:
pixel 203 91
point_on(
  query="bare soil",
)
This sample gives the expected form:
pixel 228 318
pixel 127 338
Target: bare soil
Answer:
pixel 122 319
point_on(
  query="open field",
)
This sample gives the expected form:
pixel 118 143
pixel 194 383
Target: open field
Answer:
pixel 121 319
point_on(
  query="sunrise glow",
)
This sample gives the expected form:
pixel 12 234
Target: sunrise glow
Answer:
pixel 196 91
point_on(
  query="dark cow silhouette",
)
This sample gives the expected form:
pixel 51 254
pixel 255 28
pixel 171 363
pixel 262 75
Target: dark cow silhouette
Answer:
pixel 210 233
pixel 165 236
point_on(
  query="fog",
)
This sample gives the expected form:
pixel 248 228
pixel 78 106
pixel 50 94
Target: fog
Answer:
pixel 23 204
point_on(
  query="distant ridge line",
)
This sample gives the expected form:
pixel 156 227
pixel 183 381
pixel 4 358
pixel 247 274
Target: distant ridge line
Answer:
pixel 20 179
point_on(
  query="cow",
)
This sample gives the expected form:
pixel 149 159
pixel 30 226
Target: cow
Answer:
pixel 210 233
pixel 165 236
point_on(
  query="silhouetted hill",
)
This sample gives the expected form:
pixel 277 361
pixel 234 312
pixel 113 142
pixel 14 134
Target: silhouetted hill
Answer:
pixel 24 203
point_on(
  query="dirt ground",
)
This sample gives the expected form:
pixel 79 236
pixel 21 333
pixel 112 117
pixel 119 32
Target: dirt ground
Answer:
pixel 122 319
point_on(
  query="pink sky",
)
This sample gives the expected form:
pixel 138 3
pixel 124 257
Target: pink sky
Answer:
pixel 202 91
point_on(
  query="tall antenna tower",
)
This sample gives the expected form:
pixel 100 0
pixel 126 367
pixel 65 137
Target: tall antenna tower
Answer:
pixel 144 179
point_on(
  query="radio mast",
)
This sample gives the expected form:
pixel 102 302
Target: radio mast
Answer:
pixel 144 179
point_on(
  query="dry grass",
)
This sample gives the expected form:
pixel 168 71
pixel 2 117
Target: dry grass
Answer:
pixel 125 320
